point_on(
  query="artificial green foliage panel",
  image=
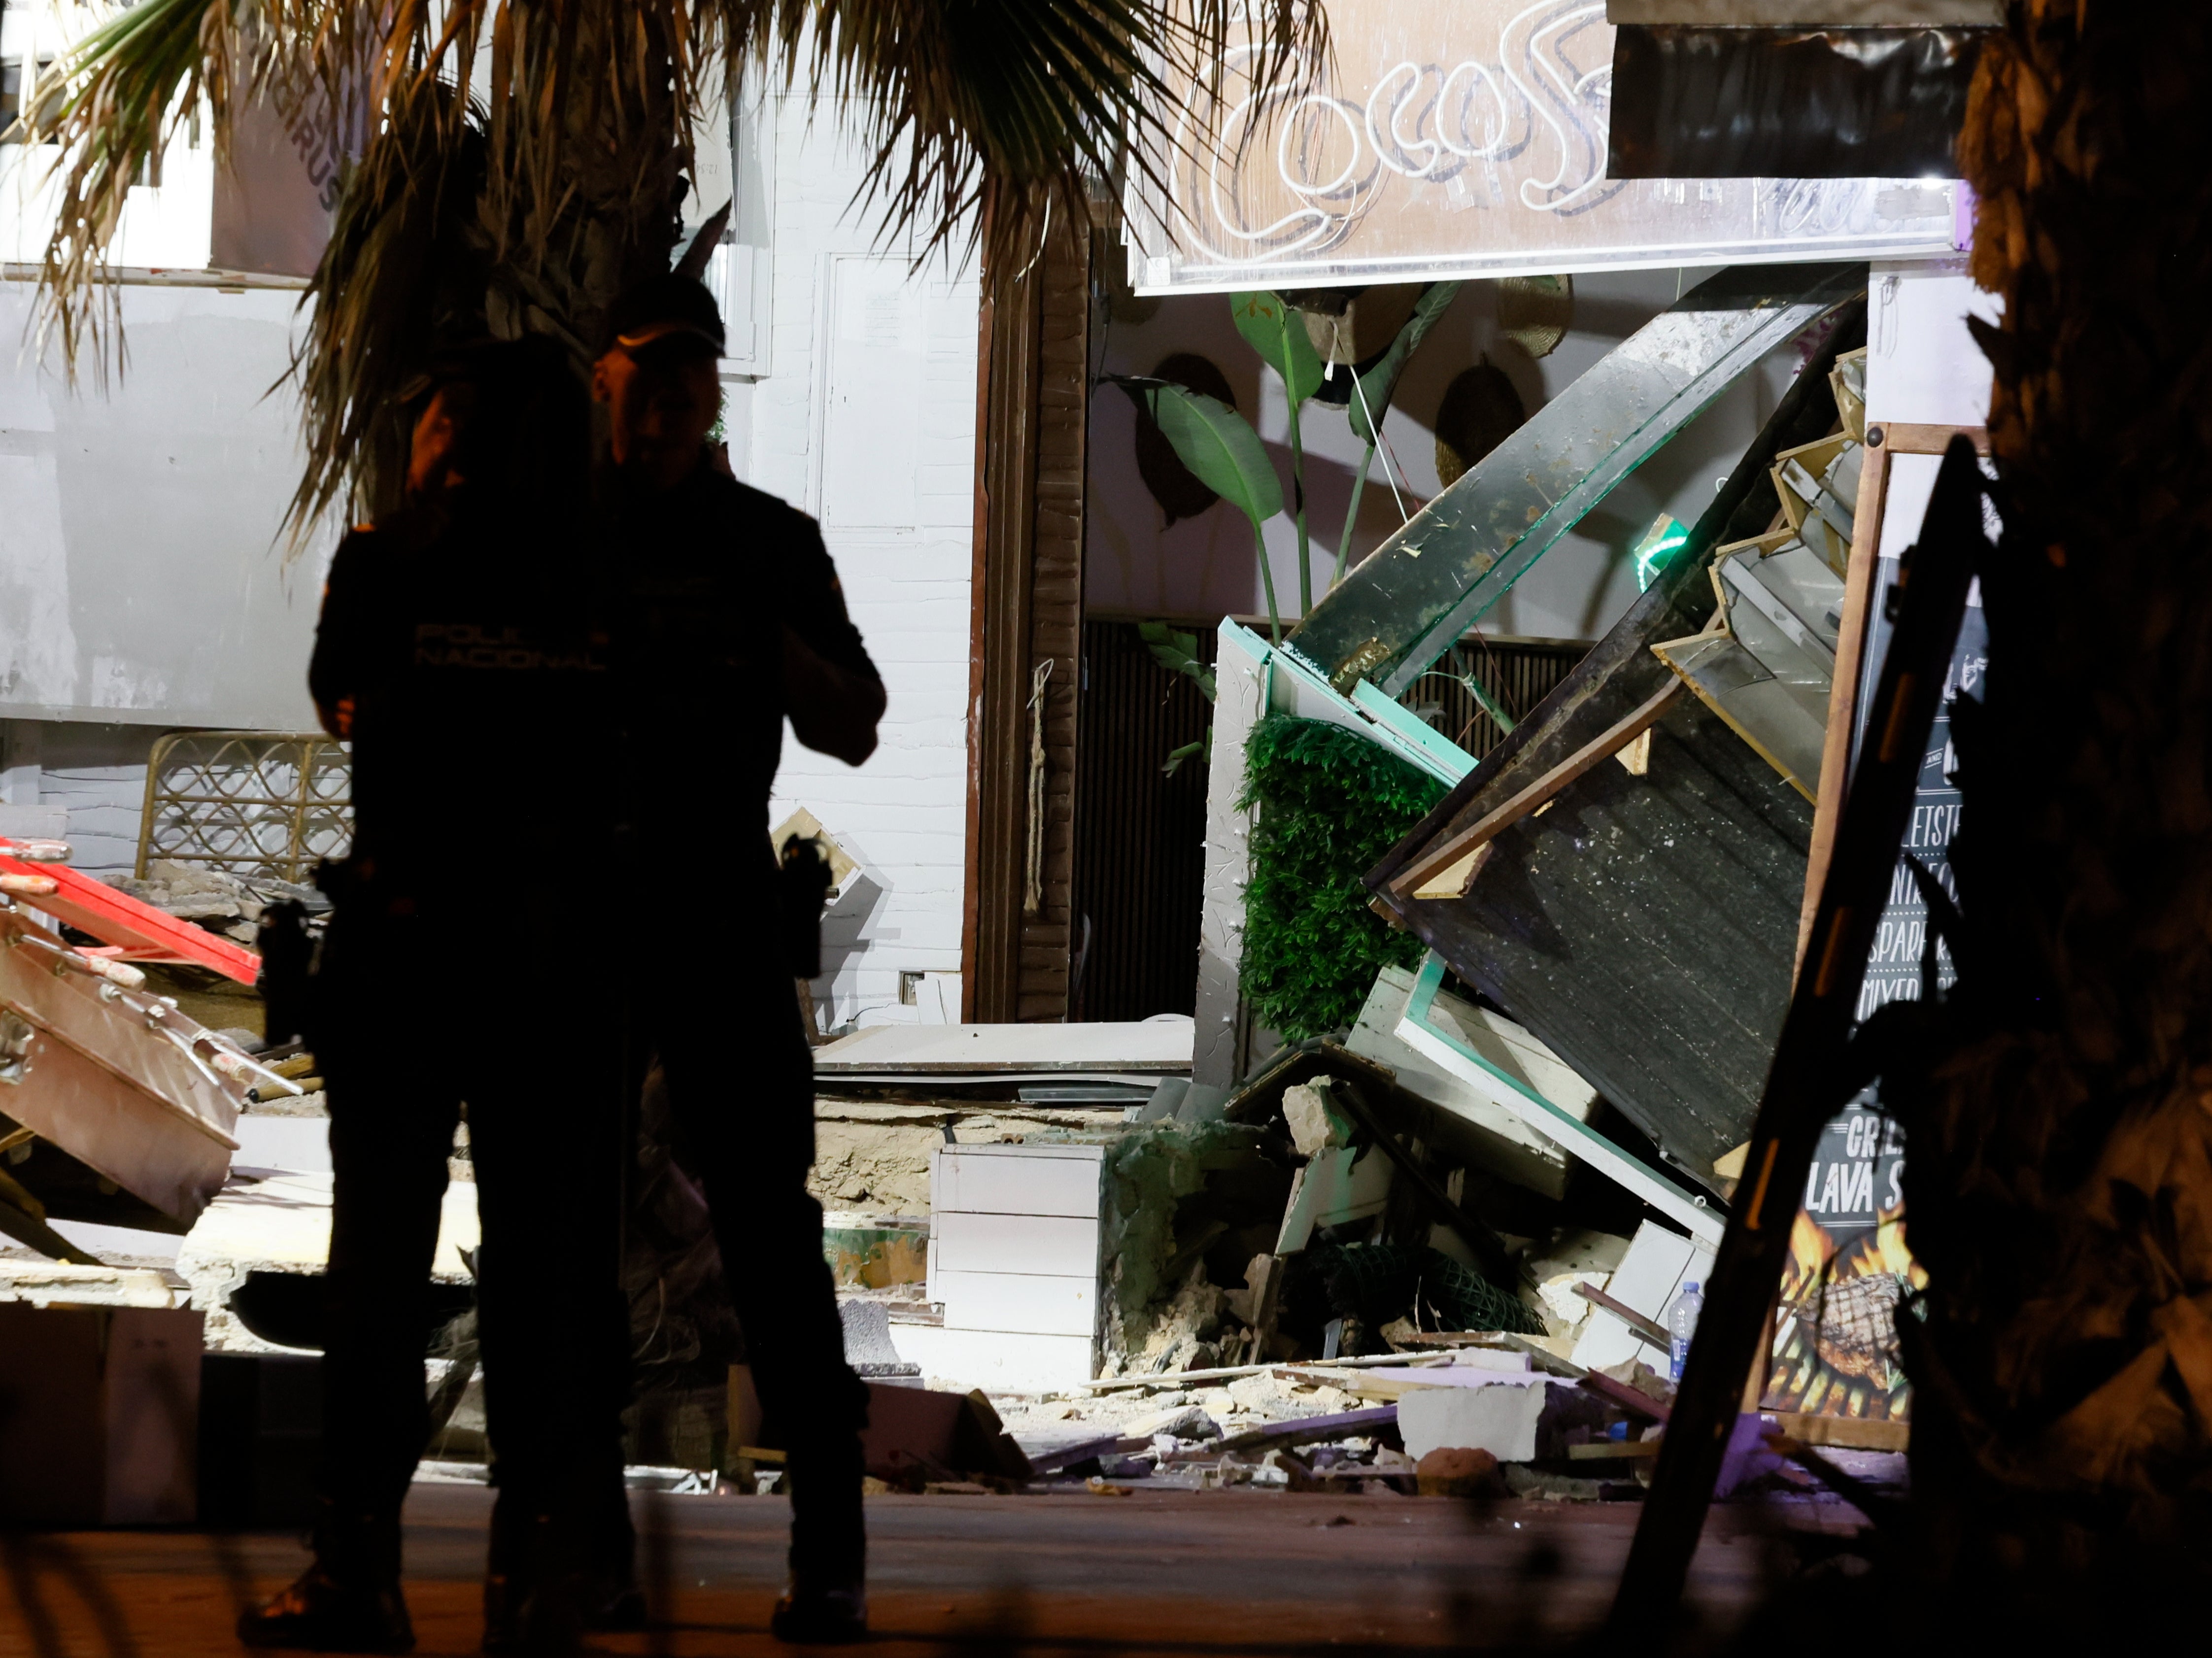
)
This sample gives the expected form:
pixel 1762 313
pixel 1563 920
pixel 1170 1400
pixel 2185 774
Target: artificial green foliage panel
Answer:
pixel 1329 804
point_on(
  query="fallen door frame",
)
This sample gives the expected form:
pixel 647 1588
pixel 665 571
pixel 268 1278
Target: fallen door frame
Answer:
pixel 1578 1139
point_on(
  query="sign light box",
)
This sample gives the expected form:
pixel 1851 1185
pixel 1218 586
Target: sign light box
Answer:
pixel 1462 138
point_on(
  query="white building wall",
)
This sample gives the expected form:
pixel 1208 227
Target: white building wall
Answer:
pixel 867 421
pixel 864 417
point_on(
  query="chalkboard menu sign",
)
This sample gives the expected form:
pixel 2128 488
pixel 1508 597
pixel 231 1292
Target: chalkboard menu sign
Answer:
pixel 1835 1351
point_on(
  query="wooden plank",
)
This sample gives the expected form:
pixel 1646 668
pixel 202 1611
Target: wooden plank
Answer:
pixel 1309 1431
pixel 1615 1451
pixel 1843 689
pixel 1843 1433
pixel 1659 973
pixel 999 633
pixel 136 929
pixel 1799 1095
pixel 1884 439
pixel 1602 748
pixel 1903 438
pixel 1633 1400
pixel 1230 1372
pixel 1056 610
pixel 1649 1328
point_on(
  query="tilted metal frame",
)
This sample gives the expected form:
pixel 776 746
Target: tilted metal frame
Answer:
pixel 1425 587
pixel 246 803
pixel 1571 1135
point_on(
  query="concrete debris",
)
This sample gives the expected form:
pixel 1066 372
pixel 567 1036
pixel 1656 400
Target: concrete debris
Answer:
pixel 1276 1399
pixel 1178 1335
pixel 1163 1304
pixel 1183 1421
pixel 46 1283
pixel 222 902
pixel 1572 1257
pixel 1514 1421
pixel 1316 1124
pixel 1641 1377
pixel 868 1346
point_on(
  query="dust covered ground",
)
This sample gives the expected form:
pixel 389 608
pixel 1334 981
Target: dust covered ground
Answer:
pixel 1229 1573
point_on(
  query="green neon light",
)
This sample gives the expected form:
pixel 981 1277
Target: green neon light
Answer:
pixel 1665 537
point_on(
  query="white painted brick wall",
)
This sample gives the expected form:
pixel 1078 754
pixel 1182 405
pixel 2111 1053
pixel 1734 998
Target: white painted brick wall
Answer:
pixel 903 814
pixel 96 772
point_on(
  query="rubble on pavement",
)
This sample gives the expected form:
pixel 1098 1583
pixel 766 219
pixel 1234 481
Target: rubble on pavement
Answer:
pixel 232 905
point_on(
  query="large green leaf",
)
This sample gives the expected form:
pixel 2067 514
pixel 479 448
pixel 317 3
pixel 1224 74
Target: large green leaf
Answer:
pixel 1220 446
pixel 1279 334
pixel 1379 384
pixel 1178 652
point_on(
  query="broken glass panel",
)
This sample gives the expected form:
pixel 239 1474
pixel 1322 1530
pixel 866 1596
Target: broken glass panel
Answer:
pixel 1425 587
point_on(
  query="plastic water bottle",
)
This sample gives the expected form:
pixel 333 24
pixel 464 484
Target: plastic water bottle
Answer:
pixel 1682 1325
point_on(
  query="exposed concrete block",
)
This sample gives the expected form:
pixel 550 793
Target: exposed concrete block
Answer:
pixel 1501 1419
pixel 1514 1421
pixel 1316 1125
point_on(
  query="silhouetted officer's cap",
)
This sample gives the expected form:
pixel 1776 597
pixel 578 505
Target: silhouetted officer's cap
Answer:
pixel 671 308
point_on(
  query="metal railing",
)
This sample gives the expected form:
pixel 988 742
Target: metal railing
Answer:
pixel 247 803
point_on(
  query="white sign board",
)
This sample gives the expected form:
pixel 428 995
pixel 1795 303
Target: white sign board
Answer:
pixel 1469 138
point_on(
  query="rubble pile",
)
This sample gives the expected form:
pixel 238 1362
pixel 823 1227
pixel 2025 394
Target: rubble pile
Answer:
pixel 1296 1293
pixel 1481 1419
pixel 232 905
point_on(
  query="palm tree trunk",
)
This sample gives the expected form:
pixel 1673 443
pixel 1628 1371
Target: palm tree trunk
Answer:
pixel 2059 1190
pixel 581 206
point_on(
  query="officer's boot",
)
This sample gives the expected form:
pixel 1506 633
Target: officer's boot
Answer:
pixel 348 1602
pixel 826 1600
pixel 537 1593
pixel 613 1600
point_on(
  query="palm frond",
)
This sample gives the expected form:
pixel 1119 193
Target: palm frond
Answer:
pixel 1039 102
pixel 538 149
pixel 112 105
pixel 405 273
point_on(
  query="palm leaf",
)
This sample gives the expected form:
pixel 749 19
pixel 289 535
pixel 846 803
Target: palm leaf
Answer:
pixel 407 269
pixel 1177 652
pixel 114 102
pixel 558 131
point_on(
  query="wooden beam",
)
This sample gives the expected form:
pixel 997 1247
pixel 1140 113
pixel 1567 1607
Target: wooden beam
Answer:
pixel 1803 1091
pixel 1462 846
pixel 1884 440
pixel 999 645
pixel 1651 1329
pixel 1903 438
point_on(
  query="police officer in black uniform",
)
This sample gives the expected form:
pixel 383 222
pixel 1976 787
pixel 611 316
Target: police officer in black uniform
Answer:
pixel 459 652
pixel 728 620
